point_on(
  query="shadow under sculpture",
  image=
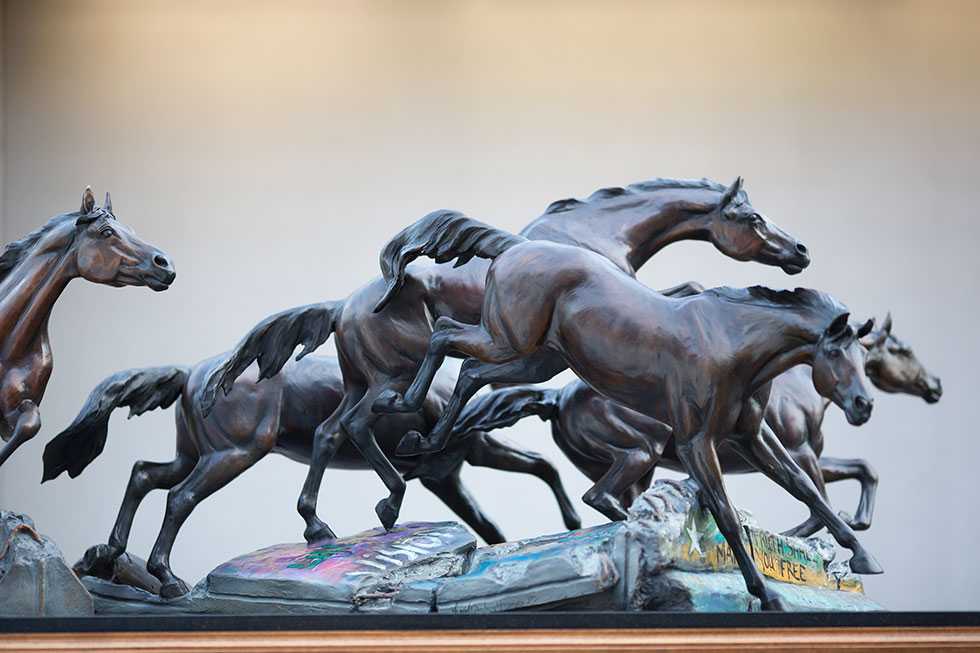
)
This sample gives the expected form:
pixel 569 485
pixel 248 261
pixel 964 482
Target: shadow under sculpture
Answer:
pixel 702 365
pixel 601 437
pixel 89 243
pixel 278 416
pixel 380 352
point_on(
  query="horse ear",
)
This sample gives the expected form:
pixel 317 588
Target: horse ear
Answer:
pixel 838 327
pixel 730 193
pixel 108 202
pixel 865 328
pixel 886 326
pixel 88 201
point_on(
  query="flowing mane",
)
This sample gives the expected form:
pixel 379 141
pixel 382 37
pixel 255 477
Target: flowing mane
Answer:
pixel 805 298
pixel 637 188
pixel 15 252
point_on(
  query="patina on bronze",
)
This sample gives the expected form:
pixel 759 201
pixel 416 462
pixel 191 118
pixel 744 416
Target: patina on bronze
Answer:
pixel 279 416
pixel 595 432
pixel 702 365
pixel 89 243
pixel 380 352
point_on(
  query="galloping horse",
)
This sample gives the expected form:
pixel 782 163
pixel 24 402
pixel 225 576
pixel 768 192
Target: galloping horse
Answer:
pixel 277 416
pixel 380 352
pixel 595 432
pixel 89 243
pixel 702 364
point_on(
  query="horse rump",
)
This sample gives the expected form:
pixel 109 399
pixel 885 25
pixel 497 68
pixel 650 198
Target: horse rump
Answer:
pixel 441 235
pixel 140 389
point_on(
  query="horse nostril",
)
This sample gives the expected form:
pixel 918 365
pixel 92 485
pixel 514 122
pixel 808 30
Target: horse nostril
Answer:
pixel 161 261
pixel 801 248
pixel 863 403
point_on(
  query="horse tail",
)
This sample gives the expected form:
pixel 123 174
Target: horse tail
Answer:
pixel 506 407
pixel 141 389
pixel 271 342
pixel 442 235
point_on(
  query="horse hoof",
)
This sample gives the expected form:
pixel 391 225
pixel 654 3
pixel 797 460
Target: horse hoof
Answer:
pixel 855 524
pixel 98 561
pixel 318 533
pixel 774 604
pixel 410 445
pixel 174 589
pixel 386 513
pixel 389 401
pixel 864 563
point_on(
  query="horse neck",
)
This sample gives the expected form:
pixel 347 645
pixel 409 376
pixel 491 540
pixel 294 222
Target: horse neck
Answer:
pixel 790 341
pixel 28 294
pixel 681 215
pixel 628 230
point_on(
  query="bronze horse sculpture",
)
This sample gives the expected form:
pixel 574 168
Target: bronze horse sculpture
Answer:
pixel 594 432
pixel 280 416
pixel 379 353
pixel 702 366
pixel 89 243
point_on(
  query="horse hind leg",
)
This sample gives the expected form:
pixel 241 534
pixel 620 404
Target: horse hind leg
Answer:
pixel 100 559
pixel 211 473
pixel 359 425
pixel 453 493
pixel 487 451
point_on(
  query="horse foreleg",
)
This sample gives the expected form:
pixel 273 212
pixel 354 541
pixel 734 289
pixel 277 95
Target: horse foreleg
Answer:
pixel 486 451
pixel 807 460
pixel 839 469
pixel 210 474
pixel 451 492
pixel 26 419
pixel 327 440
pixel 701 461
pixel 766 453
pixel 473 375
pixel 359 425
pixel 628 467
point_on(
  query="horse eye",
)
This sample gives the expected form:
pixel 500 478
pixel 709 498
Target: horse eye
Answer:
pixel 835 353
pixel 107 232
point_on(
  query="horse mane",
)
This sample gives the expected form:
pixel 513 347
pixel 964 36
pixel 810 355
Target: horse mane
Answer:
pixel 16 251
pixel 640 187
pixel 805 298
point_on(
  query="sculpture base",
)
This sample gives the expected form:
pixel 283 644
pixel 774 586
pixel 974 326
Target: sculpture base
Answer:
pixel 667 556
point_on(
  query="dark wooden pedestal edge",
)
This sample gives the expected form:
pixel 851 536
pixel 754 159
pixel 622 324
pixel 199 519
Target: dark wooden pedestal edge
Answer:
pixel 886 631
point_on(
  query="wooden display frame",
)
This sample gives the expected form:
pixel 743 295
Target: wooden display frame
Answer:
pixel 528 631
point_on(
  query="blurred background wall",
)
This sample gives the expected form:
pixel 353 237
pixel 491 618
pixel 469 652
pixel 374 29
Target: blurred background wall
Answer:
pixel 272 147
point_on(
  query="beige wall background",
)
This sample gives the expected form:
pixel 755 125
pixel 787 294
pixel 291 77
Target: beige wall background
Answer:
pixel 272 147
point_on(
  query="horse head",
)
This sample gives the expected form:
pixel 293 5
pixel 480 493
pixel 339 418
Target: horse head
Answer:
pixel 893 367
pixel 108 251
pixel 838 368
pixel 744 234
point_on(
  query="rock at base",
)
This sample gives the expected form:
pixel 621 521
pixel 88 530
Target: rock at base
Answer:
pixel 667 556
pixel 35 580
